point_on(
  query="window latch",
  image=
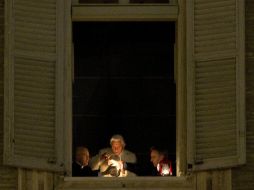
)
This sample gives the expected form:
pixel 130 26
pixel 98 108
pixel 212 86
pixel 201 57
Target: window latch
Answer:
pixel 199 162
pixel 51 160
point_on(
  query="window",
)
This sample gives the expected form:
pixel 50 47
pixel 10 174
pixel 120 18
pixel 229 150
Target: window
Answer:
pixel 37 51
pixel 124 84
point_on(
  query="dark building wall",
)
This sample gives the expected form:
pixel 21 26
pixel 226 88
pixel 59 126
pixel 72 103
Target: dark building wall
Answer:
pixel 8 176
pixel 243 178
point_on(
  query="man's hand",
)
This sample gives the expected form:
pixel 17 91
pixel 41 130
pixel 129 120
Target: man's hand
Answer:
pixel 105 156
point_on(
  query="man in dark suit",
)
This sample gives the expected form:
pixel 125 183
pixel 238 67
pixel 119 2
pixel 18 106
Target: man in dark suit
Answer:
pixel 80 166
pixel 162 165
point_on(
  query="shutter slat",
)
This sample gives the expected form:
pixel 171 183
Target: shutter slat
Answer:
pixel 206 4
pixel 46 83
pixel 34 84
pixel 217 90
pixel 204 135
pixel 32 47
pixel 43 31
pixel 220 145
pixel 35 65
pixel 215 112
pixel 31 105
pixel 215 49
pixel 35 55
pixel 27 20
pixel 40 36
pixel 209 126
pixel 216 123
pixel 30 122
pixel 41 132
pixel 214 81
pixel 36 117
pixel 204 107
pixel 209 31
pixel 33 40
pixel 216 149
pixel 39 127
pixel 42 4
pixel 219 153
pixel 34 101
pixel 37 138
pixel 211 36
pixel 47 8
pixel 34 110
pixel 34 93
pixel 214 96
pixel 207 9
pixel 217 84
pixel 21 152
pixel 211 118
pixel 43 16
pixel 213 13
pixel 26 150
pixel 32 27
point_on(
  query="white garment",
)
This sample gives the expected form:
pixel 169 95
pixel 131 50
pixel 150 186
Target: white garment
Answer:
pixel 125 156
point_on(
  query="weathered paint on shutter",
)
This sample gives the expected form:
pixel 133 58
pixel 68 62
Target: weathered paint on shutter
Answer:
pixel 32 85
pixel 8 176
pixel 243 178
pixel 215 83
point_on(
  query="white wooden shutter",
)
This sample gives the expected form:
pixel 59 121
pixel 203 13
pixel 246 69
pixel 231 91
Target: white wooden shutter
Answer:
pixel 33 84
pixel 215 83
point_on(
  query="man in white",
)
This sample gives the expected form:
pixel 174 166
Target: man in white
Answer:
pixel 102 160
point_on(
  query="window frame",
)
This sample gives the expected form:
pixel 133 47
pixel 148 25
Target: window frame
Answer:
pixel 167 13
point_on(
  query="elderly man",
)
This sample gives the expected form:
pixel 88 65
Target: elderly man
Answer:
pixel 115 157
pixel 80 166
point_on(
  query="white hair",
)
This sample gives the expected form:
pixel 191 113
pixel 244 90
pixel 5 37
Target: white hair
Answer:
pixel 117 138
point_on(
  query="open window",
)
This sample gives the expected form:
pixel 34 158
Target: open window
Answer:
pixel 124 84
pixel 36 69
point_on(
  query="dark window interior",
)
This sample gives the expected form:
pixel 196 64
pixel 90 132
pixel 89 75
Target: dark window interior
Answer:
pixel 124 84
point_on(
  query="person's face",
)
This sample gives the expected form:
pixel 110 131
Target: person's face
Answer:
pixel 155 157
pixel 82 157
pixel 117 147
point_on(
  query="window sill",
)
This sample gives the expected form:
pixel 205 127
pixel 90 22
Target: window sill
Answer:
pixel 129 182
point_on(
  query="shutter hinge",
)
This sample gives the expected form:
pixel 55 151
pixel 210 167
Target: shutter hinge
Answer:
pixel 198 162
pixel 189 166
pixel 51 160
